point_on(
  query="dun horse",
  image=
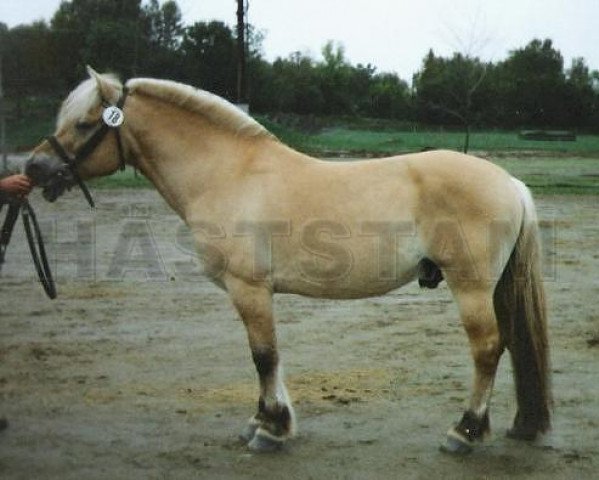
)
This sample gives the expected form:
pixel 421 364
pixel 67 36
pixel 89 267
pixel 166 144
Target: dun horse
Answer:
pixel 268 220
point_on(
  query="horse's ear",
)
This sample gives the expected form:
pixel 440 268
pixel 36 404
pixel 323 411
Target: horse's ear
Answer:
pixel 109 92
pixel 91 72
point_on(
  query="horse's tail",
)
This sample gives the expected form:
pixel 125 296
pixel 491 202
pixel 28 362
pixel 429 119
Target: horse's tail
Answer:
pixel 519 302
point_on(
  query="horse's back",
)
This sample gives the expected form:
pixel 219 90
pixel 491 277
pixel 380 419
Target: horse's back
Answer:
pixel 434 183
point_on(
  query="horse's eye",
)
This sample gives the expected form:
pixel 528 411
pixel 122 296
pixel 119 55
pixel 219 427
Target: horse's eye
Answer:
pixel 84 126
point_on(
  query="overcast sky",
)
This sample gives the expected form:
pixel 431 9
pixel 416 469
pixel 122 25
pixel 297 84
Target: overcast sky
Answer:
pixel 393 35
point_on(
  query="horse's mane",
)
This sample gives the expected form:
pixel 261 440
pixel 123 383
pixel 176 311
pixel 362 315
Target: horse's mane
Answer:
pixel 214 108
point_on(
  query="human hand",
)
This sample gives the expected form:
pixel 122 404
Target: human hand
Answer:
pixel 19 185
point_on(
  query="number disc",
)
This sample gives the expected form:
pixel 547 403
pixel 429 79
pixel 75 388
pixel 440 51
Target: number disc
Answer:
pixel 113 116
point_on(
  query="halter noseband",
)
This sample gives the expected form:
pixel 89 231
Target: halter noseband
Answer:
pixel 110 122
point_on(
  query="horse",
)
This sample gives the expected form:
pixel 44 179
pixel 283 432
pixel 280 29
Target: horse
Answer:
pixel 269 220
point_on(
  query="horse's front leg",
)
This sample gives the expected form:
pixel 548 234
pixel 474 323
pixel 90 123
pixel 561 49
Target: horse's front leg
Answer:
pixel 274 423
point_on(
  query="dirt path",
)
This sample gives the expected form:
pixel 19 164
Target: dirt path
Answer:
pixel 145 373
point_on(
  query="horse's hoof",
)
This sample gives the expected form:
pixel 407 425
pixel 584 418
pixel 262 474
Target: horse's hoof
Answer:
pixel 456 446
pixel 264 442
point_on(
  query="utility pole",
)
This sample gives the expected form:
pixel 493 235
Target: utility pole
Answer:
pixel 241 57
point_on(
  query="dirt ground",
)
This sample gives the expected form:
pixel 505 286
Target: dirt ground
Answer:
pixel 140 369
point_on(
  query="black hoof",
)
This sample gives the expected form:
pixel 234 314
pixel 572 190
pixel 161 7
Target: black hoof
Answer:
pixel 456 446
pixel 3 424
pixel 264 442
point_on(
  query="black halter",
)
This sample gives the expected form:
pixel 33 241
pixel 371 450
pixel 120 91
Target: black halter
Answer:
pixel 89 146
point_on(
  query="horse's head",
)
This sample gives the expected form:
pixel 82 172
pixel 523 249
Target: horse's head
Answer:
pixel 81 147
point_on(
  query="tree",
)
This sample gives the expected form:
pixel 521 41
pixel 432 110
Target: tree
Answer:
pixel 529 88
pixel 29 67
pixel 296 85
pixel 449 91
pixel 164 24
pixel 104 33
pixel 208 51
pixel 533 85
pixel 389 97
pixel 581 98
pixel 335 80
pixel 159 46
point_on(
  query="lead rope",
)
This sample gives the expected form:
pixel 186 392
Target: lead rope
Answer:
pixel 7 228
pixel 38 252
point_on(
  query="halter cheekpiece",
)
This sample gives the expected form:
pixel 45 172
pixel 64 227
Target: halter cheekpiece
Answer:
pixel 112 119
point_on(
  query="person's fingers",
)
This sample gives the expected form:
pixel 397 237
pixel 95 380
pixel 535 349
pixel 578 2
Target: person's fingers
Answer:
pixel 17 184
pixel 23 184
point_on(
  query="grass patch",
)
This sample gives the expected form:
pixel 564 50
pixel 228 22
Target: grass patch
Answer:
pixel 377 137
pixel 554 174
pixel 349 141
pixel 122 179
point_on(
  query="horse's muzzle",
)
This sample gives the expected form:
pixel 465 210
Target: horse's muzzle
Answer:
pixel 51 174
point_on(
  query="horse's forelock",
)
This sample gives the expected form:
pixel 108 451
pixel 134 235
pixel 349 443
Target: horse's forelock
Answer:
pixel 82 99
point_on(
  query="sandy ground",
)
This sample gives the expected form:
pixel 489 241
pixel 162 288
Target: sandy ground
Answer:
pixel 141 370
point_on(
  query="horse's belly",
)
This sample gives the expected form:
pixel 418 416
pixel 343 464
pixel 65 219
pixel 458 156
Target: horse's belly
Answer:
pixel 346 270
pixel 341 289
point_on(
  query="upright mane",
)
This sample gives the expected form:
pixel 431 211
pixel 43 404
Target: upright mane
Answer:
pixel 214 108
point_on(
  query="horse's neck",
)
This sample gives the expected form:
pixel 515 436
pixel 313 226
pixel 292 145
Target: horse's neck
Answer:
pixel 182 154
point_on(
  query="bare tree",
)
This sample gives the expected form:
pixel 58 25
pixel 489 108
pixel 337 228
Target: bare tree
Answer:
pixel 468 71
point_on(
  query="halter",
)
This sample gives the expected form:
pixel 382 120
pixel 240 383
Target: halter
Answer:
pixel 112 120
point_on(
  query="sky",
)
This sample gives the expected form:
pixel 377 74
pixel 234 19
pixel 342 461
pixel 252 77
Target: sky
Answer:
pixel 392 35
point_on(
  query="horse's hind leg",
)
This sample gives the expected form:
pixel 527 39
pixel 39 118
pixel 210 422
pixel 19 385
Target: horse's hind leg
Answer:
pixel 478 317
pixel 274 423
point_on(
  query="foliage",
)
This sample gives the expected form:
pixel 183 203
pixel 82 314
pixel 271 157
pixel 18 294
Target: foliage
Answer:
pixel 531 88
pixel 534 83
pixel 448 90
pixel 210 50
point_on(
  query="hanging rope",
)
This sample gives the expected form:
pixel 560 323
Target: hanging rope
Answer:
pixel 35 241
